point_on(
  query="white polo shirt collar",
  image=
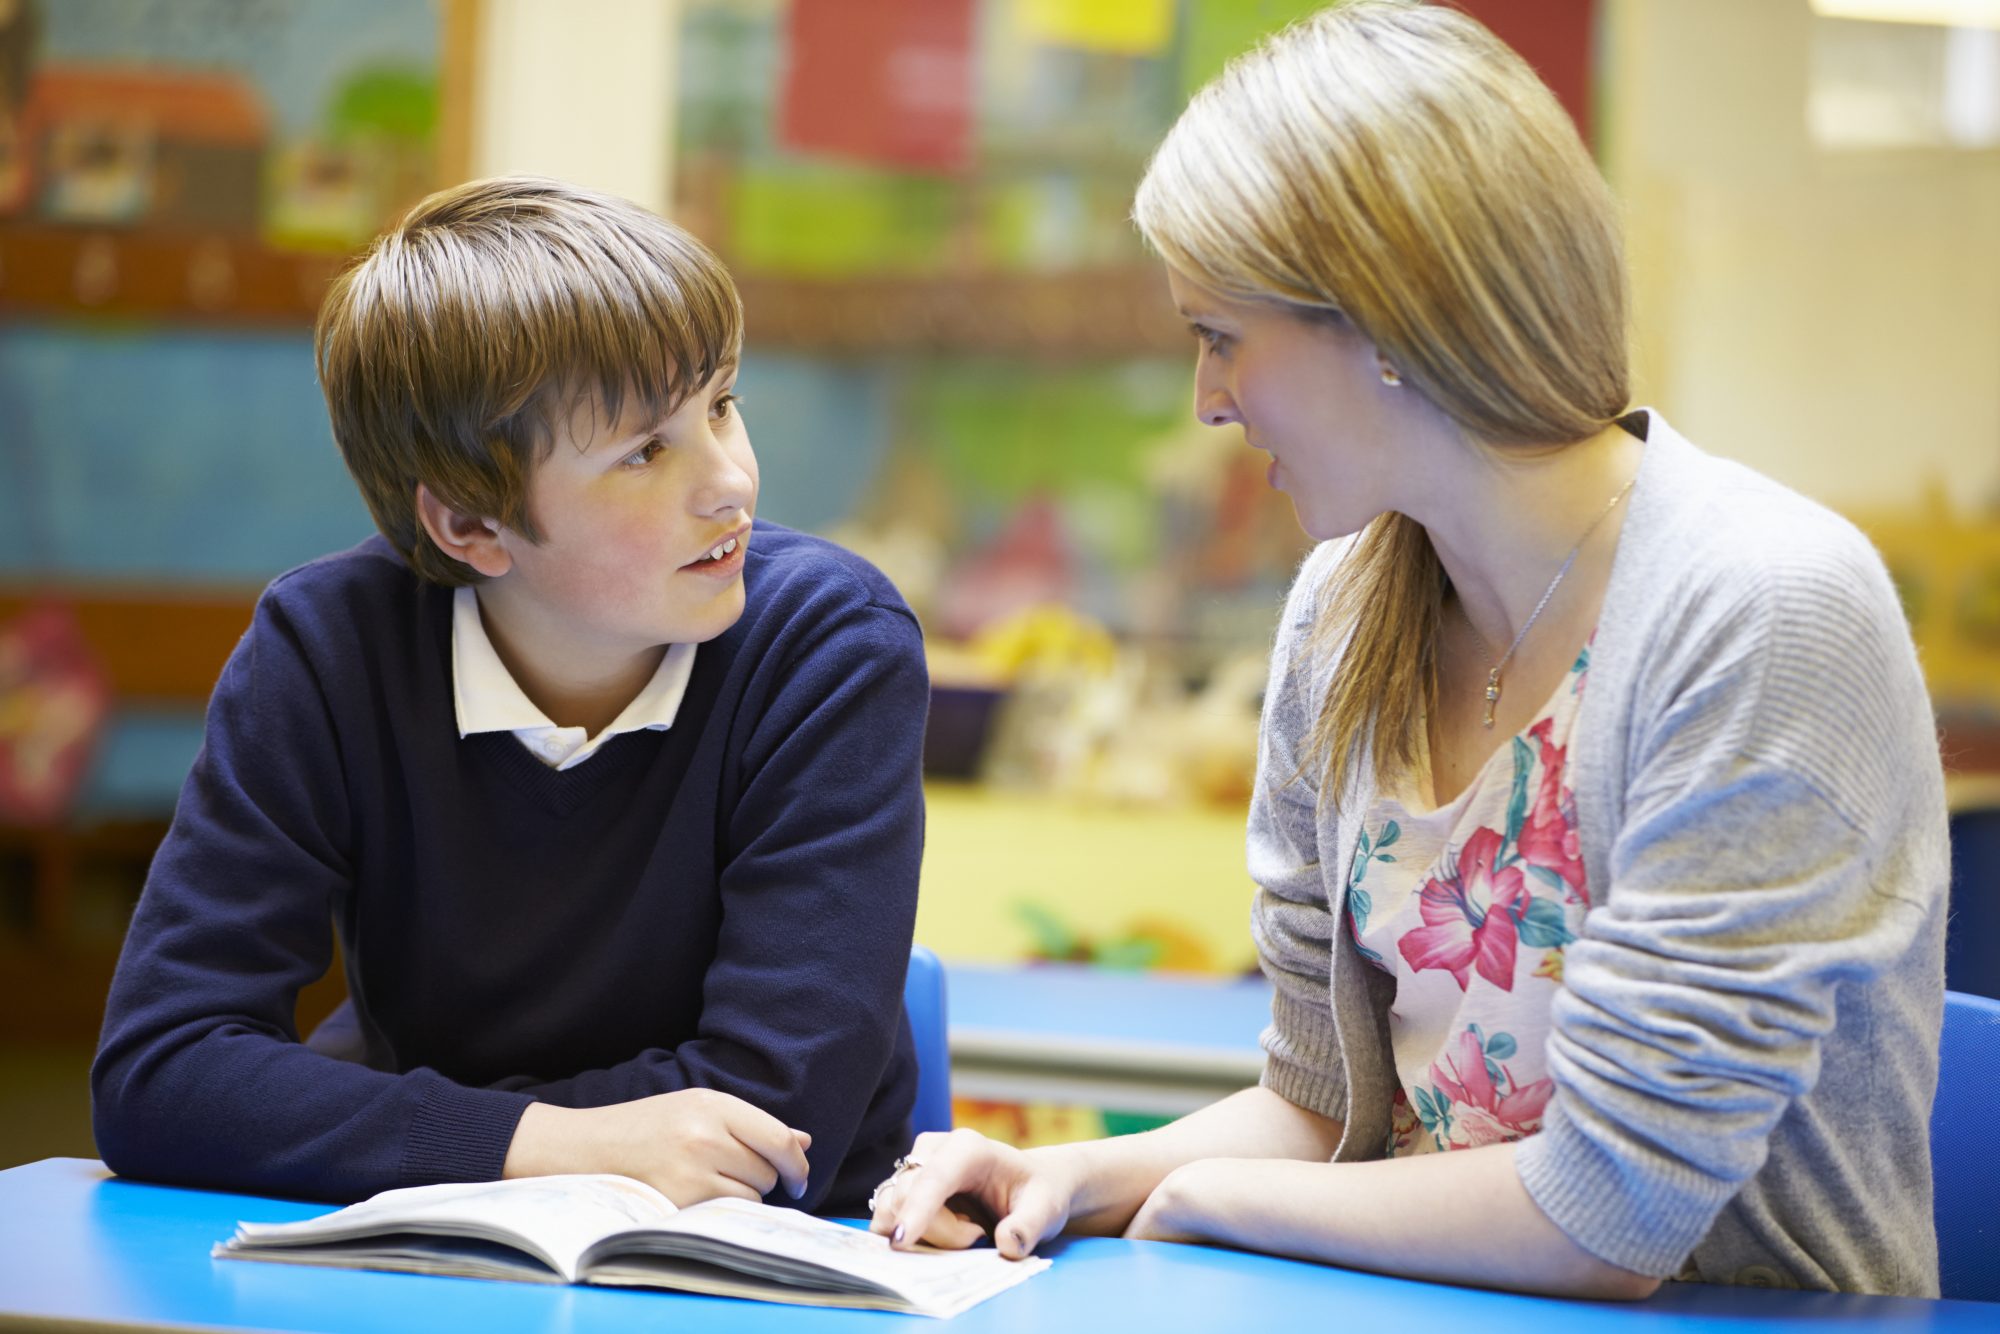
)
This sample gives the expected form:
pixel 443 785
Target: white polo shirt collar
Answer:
pixel 488 699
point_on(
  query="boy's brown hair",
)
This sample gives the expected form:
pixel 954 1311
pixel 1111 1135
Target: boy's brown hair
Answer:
pixel 451 351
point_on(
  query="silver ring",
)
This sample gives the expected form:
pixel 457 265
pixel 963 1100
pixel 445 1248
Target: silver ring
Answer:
pixel 901 1166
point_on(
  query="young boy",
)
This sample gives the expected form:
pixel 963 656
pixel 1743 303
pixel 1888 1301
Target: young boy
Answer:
pixel 612 795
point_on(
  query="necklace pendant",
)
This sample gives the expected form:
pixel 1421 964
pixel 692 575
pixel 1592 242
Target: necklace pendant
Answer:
pixel 1492 694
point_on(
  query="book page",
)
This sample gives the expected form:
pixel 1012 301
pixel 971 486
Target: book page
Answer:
pixel 555 1219
pixel 846 1265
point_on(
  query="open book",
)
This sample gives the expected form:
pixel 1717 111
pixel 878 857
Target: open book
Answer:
pixel 617 1231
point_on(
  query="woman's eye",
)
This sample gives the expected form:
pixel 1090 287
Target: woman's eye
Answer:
pixel 725 405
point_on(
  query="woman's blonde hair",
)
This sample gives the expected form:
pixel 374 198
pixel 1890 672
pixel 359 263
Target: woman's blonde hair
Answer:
pixel 450 354
pixel 1398 163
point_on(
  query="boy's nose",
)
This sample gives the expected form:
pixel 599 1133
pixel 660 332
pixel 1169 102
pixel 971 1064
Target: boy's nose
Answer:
pixel 729 485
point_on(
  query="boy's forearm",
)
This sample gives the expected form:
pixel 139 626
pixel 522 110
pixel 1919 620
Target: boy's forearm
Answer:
pixel 1114 1177
pixel 547 1142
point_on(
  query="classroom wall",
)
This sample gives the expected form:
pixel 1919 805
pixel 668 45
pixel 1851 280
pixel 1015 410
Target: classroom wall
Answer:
pixel 546 70
pixel 1830 318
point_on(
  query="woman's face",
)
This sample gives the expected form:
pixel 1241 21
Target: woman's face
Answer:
pixel 1308 392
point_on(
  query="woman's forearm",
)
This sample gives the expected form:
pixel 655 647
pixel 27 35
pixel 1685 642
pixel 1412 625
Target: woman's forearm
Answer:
pixel 1460 1217
pixel 1112 1178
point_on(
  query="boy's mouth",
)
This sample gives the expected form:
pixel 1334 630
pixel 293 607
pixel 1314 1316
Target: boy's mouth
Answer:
pixel 718 553
pixel 724 557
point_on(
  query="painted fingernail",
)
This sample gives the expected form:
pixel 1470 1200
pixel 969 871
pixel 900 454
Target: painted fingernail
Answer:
pixel 896 1237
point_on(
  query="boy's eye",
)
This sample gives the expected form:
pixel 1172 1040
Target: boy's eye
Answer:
pixel 724 405
pixel 1210 339
pixel 644 454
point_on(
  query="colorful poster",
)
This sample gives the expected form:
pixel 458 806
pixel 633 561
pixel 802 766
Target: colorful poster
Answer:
pixel 1120 27
pixel 53 700
pixel 882 81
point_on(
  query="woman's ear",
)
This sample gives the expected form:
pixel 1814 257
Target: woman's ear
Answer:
pixel 463 537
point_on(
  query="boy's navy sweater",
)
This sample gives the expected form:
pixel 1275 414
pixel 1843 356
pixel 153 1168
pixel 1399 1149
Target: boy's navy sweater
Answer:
pixel 727 904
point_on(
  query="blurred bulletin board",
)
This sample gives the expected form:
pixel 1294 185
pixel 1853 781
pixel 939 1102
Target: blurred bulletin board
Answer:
pixel 213 160
pixel 178 181
pixel 933 197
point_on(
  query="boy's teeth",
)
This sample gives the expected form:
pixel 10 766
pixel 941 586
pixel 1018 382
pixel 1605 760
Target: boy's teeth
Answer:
pixel 723 550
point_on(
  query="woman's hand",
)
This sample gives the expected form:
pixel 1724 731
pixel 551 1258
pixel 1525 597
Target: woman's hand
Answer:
pixel 953 1188
pixel 1174 1211
pixel 690 1145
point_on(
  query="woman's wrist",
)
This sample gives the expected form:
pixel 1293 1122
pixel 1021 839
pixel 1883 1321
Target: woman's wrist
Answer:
pixel 1105 1181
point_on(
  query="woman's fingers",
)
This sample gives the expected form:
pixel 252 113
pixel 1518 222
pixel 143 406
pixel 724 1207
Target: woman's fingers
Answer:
pixel 909 1206
pixel 952 1232
pixel 1037 1214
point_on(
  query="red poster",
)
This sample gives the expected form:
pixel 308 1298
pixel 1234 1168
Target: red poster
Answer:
pixel 53 700
pixel 884 81
pixel 1557 37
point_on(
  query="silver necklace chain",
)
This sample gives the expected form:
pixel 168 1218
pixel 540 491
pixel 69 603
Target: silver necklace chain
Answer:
pixel 1494 668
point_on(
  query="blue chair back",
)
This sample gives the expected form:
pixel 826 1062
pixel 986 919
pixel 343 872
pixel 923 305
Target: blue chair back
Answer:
pixel 1972 939
pixel 924 1002
pixel 1965 1162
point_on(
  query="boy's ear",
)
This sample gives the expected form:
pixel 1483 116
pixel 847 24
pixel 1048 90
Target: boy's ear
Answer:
pixel 463 537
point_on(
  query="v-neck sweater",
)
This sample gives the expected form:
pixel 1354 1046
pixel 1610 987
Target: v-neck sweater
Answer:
pixel 1745 1047
pixel 725 904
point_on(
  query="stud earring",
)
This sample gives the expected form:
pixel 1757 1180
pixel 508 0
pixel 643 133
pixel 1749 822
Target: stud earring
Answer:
pixel 1389 376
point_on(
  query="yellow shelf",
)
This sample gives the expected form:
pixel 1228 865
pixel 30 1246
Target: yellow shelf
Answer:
pixel 1107 872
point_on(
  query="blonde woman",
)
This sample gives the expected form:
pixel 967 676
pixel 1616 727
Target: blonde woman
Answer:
pixel 1599 825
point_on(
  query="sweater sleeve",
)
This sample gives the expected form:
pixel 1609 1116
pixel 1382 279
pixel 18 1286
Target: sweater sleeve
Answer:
pixel 1756 873
pixel 1290 918
pixel 801 1007
pixel 200 1077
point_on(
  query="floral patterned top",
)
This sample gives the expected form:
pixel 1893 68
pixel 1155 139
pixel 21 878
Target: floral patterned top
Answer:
pixel 1468 906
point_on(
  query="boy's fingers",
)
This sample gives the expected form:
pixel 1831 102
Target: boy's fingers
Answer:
pixel 793 1167
pixel 776 1143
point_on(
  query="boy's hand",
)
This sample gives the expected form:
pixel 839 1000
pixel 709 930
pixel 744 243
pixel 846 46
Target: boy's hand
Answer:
pixel 691 1145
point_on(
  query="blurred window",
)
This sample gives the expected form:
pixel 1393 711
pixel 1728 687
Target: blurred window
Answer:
pixel 1887 75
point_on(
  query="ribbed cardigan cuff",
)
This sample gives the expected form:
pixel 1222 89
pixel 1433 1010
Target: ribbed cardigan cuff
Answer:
pixel 1644 1215
pixel 460 1134
pixel 1302 1057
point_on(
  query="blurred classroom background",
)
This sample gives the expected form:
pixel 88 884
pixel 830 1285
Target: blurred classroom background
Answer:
pixel 961 363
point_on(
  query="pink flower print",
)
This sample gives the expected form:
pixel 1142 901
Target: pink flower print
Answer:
pixel 1468 918
pixel 1481 1113
pixel 1403 1124
pixel 1548 837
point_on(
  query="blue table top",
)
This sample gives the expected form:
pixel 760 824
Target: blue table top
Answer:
pixel 78 1245
pixel 1108 1019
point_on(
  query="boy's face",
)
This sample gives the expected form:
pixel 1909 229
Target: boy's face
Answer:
pixel 629 512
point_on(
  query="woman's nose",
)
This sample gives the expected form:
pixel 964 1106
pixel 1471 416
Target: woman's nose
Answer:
pixel 1214 407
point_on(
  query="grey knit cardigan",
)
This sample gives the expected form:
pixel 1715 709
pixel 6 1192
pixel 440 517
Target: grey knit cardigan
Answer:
pixel 1745 1045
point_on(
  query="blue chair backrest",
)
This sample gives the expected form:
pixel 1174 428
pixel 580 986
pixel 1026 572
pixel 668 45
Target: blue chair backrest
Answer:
pixel 923 1000
pixel 1972 941
pixel 1965 1162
